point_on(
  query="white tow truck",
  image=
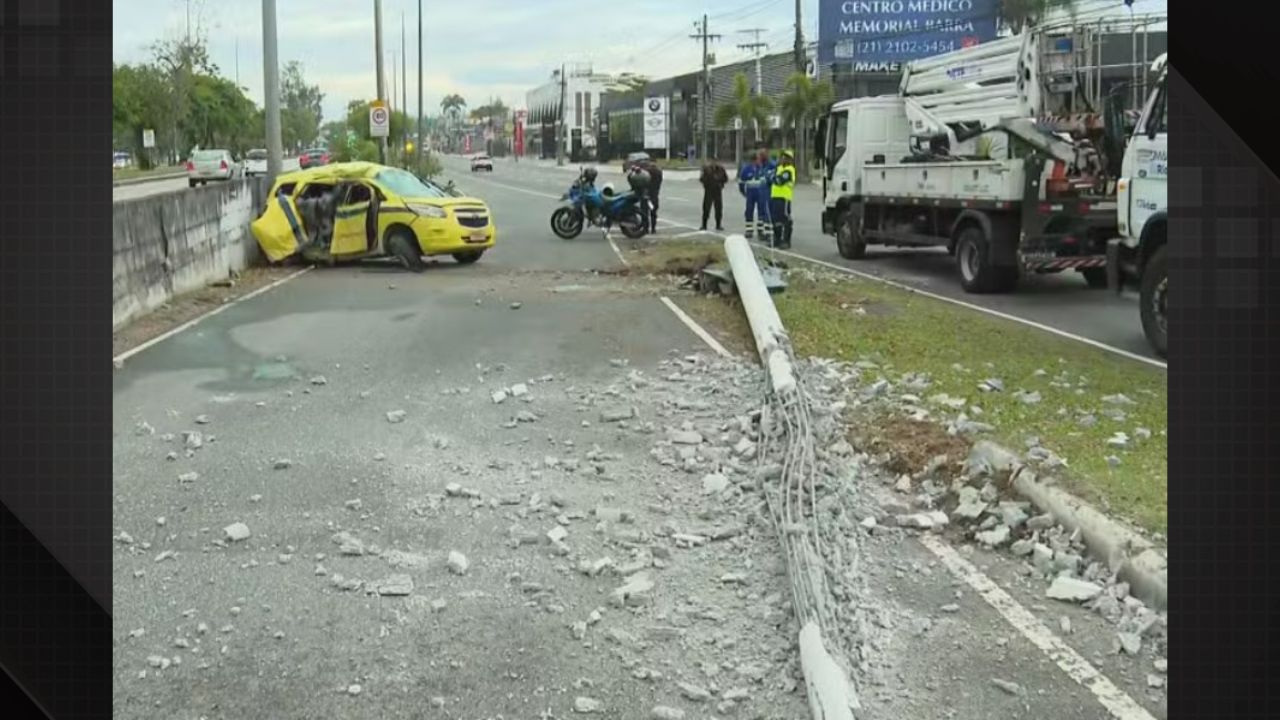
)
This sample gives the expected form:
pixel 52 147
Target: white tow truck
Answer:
pixel 995 152
pixel 1137 255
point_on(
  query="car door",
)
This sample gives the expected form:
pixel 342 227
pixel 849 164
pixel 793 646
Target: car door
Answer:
pixel 279 230
pixel 1149 183
pixel 352 220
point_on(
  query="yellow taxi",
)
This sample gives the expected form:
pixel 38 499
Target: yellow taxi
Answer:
pixel 359 210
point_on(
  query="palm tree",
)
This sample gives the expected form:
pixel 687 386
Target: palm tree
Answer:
pixel 1018 14
pixel 802 104
pixel 748 108
pixel 451 107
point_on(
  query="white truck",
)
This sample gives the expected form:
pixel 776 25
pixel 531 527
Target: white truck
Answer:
pixel 994 152
pixel 1137 255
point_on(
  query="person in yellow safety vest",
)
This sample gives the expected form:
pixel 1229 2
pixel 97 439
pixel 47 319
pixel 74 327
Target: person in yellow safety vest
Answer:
pixel 784 182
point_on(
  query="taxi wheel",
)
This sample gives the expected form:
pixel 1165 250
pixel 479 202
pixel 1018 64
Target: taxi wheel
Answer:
pixel 405 247
pixel 466 258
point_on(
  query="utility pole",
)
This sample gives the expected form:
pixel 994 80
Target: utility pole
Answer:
pixel 393 98
pixel 704 36
pixel 560 136
pixel 756 47
pixel 799 49
pixel 418 150
pixel 271 88
pixel 237 61
pixel 404 74
pixel 377 50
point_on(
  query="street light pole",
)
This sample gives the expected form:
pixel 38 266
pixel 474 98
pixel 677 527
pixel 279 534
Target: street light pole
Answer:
pixel 419 149
pixel 377 41
pixel 271 88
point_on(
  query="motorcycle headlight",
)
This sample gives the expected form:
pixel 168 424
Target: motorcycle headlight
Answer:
pixel 430 211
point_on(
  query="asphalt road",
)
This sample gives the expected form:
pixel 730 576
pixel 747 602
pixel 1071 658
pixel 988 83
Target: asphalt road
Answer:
pixel 1060 301
pixel 166 185
pixel 205 627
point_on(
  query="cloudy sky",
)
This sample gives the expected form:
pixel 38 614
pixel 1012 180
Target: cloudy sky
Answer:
pixel 478 48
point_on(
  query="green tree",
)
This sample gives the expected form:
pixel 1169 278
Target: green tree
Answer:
pixel 300 107
pixel 140 100
pixel 802 103
pixel 181 59
pixel 748 108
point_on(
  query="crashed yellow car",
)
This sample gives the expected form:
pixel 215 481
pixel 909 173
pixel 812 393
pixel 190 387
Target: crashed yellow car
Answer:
pixel 359 210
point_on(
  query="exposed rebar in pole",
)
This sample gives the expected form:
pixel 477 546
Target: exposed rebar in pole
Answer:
pixel 377 51
pixel 271 89
pixel 419 151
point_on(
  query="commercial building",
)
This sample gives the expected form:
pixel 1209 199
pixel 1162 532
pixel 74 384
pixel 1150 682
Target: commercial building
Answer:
pixel 579 91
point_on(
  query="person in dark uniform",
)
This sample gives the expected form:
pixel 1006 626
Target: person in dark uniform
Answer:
pixel 713 180
pixel 655 187
pixel 639 180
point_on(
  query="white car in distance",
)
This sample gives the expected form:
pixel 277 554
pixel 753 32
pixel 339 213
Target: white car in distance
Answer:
pixel 255 163
pixel 481 162
pixel 206 165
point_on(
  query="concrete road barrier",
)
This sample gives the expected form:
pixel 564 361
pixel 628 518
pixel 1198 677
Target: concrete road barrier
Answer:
pixel 165 245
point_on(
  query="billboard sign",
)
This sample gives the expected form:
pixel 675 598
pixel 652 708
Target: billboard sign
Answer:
pixel 881 35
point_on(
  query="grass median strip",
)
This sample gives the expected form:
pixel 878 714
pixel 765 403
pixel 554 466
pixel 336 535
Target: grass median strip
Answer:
pixel 1107 417
pixel 133 173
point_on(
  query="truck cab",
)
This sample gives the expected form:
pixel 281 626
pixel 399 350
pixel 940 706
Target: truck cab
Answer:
pixel 1137 256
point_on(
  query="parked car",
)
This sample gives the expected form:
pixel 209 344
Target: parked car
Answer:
pixel 206 165
pixel 481 162
pixel 360 210
pixel 255 163
pixel 315 157
pixel 121 159
pixel 633 158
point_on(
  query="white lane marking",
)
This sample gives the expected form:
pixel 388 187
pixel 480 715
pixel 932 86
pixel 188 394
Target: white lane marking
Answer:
pixel 616 251
pixel 969 306
pixel 1115 700
pixel 526 191
pixel 696 328
pixel 191 323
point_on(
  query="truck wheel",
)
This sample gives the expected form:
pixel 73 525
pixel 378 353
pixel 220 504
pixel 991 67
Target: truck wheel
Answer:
pixel 405 247
pixel 1095 277
pixel 849 240
pixel 973 260
pixel 1153 303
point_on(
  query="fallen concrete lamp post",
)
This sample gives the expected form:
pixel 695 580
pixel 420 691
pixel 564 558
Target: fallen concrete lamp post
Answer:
pixel 831 695
pixel 766 326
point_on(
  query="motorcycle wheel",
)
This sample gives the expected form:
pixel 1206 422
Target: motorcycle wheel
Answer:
pixel 632 225
pixel 566 224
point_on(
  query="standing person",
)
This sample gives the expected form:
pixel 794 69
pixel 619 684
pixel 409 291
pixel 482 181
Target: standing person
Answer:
pixel 639 180
pixel 655 187
pixel 753 184
pixel 713 180
pixel 781 189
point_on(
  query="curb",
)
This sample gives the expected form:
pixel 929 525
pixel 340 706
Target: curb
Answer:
pixel 1134 558
pixel 147 178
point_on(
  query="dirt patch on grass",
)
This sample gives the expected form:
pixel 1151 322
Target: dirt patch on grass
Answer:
pixel 911 445
pixel 683 258
pixel 192 305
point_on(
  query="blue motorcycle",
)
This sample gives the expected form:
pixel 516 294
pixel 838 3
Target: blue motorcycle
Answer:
pixel 585 204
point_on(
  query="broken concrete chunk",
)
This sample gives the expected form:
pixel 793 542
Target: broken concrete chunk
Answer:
pixel 519 390
pixel 188 477
pixel 684 437
pixel 1010 687
pixel 617 414
pixel 1071 589
pixel 236 532
pixel 1130 643
pixel 635 592
pixel 987 457
pixel 696 693
pixel 557 534
pixel 458 563
pixel 971 504
pixel 923 521
pixel 396 416
pixel 662 712
pixel 714 484
pixel 995 537
pixel 586 705
pixel 396 585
